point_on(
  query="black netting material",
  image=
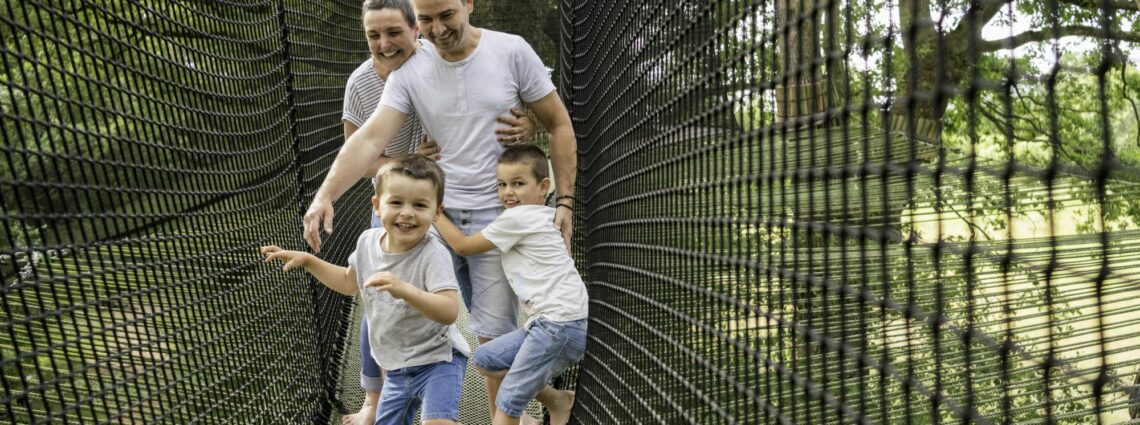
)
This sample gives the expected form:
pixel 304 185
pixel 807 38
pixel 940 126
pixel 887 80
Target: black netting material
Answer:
pixel 852 211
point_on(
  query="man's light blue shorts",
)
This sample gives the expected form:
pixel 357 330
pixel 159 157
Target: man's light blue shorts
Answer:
pixel 492 306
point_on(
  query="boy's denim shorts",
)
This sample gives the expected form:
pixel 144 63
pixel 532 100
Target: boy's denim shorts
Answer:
pixel 534 356
pixel 435 387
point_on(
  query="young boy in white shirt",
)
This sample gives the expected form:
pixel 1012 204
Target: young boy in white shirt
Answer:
pixel 542 274
pixel 410 295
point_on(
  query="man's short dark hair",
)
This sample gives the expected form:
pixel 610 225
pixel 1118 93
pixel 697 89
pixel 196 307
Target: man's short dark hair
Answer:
pixel 530 155
pixel 413 166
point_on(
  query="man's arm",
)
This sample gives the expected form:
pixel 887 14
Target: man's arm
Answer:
pixel 462 244
pixel 563 154
pixel 349 129
pixel 337 278
pixel 351 164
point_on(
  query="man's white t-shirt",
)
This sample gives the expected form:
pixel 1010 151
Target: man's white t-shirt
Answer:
pixel 537 265
pixel 458 103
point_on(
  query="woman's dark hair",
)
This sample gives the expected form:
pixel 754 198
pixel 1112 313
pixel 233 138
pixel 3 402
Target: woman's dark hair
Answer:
pixel 402 6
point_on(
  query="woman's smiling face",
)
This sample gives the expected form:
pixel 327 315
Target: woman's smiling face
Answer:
pixel 390 40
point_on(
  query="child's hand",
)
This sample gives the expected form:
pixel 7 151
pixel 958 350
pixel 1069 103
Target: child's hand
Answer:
pixel 386 281
pixel 292 259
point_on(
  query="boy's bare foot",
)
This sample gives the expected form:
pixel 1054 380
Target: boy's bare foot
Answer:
pixel 366 416
pixel 560 406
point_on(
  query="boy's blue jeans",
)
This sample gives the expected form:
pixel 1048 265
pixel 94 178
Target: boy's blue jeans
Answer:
pixel 433 390
pixel 532 357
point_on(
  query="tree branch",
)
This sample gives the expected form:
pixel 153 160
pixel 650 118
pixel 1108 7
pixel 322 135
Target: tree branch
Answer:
pixel 1135 109
pixel 1047 34
pixel 916 24
pixel 1095 4
pixel 989 113
pixel 980 13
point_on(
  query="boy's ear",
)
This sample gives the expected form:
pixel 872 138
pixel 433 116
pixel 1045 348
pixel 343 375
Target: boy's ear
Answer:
pixel 438 212
pixel 375 206
pixel 544 185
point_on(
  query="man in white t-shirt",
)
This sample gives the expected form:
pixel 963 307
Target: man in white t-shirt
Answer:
pixel 472 74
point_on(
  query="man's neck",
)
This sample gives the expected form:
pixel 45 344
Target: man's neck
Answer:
pixel 469 46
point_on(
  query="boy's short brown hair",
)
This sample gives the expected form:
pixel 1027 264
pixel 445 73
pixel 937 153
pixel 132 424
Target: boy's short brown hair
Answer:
pixel 530 155
pixel 417 167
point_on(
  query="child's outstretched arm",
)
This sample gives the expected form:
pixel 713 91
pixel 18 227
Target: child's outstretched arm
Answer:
pixel 442 306
pixel 337 278
pixel 462 244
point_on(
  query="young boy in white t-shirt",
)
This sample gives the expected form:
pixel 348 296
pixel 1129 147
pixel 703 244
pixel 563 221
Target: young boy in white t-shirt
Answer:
pixel 410 295
pixel 542 274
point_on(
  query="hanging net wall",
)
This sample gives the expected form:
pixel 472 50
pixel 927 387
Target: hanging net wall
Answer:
pixel 150 148
pixel 858 211
pixel 852 211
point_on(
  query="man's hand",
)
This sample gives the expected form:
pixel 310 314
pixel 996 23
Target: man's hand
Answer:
pixel 564 222
pixel 320 213
pixel 386 281
pixel 292 259
pixel 521 128
pixel 428 148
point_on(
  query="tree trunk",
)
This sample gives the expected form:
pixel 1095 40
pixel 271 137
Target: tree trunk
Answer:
pixel 803 92
pixel 920 114
pixel 932 67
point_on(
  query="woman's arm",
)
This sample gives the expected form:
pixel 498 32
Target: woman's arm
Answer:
pixel 462 244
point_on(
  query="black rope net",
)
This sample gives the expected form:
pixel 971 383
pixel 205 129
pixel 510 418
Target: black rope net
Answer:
pixel 860 211
pixel 149 149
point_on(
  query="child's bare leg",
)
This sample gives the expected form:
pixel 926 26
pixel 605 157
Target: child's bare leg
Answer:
pixel 494 380
pixel 440 422
pixel 491 384
pixel 367 413
pixel 527 419
pixel 501 418
pixel 558 403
